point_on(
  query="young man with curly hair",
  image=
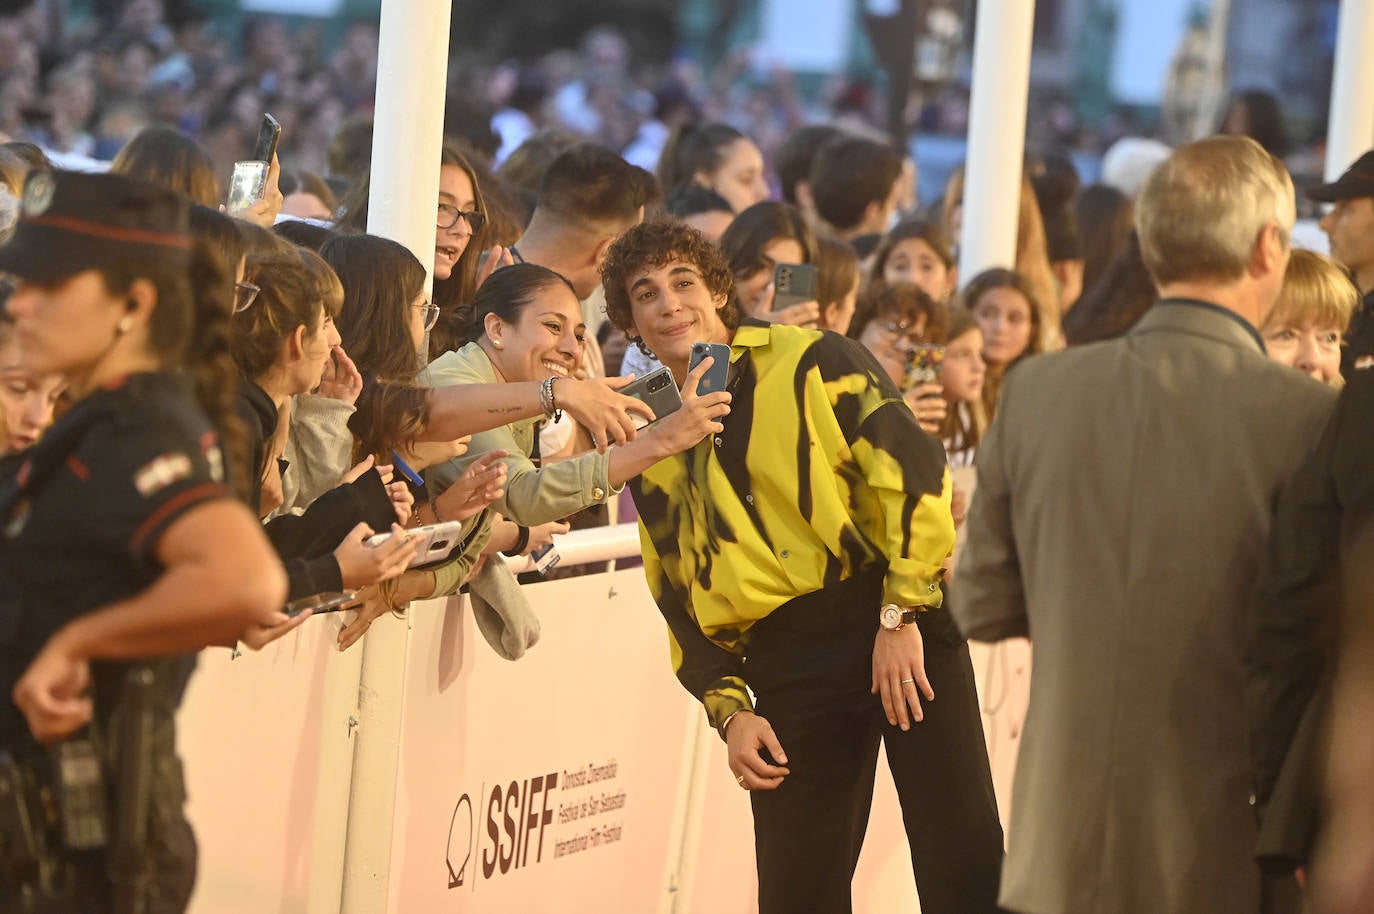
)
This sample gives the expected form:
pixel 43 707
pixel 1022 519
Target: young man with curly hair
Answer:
pixel 797 555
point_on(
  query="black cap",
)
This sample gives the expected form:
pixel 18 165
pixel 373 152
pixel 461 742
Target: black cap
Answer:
pixel 70 222
pixel 1358 181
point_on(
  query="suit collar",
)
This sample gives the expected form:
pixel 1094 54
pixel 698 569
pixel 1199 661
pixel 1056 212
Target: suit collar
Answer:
pixel 1200 318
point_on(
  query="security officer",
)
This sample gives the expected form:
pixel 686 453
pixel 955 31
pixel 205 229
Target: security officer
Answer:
pixel 122 549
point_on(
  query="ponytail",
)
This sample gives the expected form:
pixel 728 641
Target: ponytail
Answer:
pixel 210 364
pixel 693 149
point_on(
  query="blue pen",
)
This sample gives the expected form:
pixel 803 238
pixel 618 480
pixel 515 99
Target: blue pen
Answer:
pixel 405 470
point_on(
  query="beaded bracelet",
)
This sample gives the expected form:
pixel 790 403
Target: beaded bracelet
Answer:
pixel 547 402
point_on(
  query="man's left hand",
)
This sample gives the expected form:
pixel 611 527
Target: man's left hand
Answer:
pixel 899 674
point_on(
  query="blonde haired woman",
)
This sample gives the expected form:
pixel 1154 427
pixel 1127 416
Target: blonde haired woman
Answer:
pixel 1305 329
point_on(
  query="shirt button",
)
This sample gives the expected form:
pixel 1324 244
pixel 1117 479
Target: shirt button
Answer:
pixel 598 493
pixel 718 441
pixel 749 498
pixel 786 554
pixel 934 587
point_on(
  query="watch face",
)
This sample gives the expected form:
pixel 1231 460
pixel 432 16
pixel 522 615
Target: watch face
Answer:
pixel 891 617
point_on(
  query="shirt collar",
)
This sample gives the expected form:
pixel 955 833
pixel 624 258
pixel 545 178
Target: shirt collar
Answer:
pixel 1211 306
pixel 751 334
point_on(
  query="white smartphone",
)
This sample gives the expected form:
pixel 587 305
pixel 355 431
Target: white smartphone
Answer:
pixel 246 186
pixel 440 541
pixel 322 603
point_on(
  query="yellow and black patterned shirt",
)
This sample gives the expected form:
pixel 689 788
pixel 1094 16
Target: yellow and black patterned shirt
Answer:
pixel 821 473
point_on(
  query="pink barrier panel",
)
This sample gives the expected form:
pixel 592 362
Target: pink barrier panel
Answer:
pixel 572 780
pixel 549 783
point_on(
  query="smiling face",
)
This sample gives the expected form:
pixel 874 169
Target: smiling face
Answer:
pixel 456 190
pixel 671 307
pixel 750 288
pixel 26 401
pixel 739 178
pixel 1005 317
pixel 546 341
pixel 891 338
pixel 914 261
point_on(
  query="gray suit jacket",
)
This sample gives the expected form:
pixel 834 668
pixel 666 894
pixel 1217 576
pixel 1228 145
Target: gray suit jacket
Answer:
pixel 1125 494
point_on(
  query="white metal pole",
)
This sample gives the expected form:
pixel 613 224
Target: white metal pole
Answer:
pixel 1214 84
pixel 1351 130
pixel 996 135
pixel 412 72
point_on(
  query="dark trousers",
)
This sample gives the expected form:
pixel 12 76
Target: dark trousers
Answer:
pixel 810 666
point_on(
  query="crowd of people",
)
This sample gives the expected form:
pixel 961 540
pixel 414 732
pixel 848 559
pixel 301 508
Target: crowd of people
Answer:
pixel 272 400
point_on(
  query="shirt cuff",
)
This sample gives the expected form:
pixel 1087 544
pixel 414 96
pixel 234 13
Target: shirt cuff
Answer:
pixel 913 583
pixel 724 697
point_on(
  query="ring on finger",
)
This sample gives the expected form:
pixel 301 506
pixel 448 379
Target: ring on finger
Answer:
pixel 739 779
pixel 905 681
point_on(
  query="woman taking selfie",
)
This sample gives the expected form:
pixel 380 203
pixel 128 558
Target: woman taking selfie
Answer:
pixel 122 540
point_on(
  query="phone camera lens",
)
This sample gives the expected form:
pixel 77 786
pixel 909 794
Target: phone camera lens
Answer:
pixel 657 384
pixel 438 545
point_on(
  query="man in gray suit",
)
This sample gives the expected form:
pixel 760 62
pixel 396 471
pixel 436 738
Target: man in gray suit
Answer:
pixel 1124 500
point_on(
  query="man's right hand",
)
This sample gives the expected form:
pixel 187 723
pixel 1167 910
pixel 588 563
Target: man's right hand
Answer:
pixel 597 407
pixel 745 735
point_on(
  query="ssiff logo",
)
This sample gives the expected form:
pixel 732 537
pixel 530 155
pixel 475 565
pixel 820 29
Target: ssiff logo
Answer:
pixel 510 824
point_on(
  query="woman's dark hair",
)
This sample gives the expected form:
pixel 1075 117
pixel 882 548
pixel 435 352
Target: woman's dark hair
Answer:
pixel 452 294
pixel 904 301
pixel 307 182
pixel 169 158
pixel 390 416
pixel 1106 218
pixel 1263 119
pixel 259 240
pixel 221 233
pixel 508 292
pixel 1112 305
pixel 304 234
pixel 288 298
pixel 837 270
pixel 693 149
pixel 691 199
pixel 380 281
pixel 190 330
pixel 654 244
pixel 919 229
pixel 759 226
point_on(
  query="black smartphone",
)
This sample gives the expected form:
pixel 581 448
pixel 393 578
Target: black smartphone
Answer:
pixel 793 283
pixel 718 375
pixel 268 135
pixel 656 389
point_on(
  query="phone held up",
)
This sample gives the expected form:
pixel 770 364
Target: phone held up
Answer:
pixel 925 365
pixel 717 377
pixel 793 283
pixel 248 183
pixel 656 389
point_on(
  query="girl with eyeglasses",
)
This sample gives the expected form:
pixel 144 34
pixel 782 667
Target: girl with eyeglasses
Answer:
pixel 891 325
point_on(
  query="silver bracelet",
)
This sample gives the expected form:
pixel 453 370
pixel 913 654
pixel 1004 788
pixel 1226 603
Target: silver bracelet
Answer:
pixel 547 401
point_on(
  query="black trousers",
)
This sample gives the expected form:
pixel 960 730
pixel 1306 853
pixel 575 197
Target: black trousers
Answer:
pixel 810 665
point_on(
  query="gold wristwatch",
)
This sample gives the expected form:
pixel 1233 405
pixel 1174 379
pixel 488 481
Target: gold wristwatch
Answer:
pixel 892 617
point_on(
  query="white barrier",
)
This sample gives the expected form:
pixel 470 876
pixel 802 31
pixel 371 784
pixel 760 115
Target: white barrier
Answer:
pixel 580 778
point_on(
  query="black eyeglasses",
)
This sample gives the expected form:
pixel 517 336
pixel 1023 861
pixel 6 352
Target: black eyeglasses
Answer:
pixel 906 329
pixel 245 293
pixel 431 313
pixel 449 215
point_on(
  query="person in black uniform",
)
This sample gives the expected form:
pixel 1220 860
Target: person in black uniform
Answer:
pixel 1350 226
pixel 122 548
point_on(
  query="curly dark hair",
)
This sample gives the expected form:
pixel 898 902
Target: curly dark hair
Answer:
pixel 654 244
